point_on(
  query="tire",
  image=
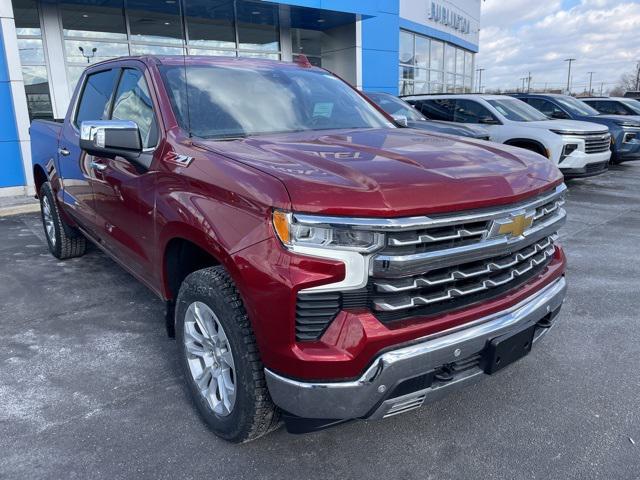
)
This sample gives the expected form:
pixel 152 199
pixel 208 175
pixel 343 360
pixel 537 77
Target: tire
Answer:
pixel 63 240
pixel 209 302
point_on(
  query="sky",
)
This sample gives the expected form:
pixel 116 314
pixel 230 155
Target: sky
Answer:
pixel 522 36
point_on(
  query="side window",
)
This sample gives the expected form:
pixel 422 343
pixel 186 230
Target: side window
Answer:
pixel 610 108
pixel 96 96
pixel 548 108
pixel 440 109
pixel 595 104
pixel 133 102
pixel 469 111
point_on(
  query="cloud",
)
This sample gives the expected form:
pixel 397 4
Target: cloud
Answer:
pixel 601 34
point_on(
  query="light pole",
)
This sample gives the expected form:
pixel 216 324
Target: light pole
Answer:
pixel 590 79
pixel 570 60
pixel 88 56
pixel 480 70
pixel 638 78
pixel 524 79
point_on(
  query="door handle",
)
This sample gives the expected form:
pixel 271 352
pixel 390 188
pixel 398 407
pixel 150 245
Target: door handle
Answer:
pixel 64 152
pixel 97 166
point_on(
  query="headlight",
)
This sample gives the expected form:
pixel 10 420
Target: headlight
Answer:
pixel 293 233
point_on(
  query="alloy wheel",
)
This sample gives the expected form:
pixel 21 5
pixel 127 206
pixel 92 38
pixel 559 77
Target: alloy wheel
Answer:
pixel 49 225
pixel 210 358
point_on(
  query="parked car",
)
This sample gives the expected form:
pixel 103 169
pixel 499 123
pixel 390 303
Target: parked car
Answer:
pixel 580 149
pixel 406 115
pixel 615 105
pixel 625 131
pixel 632 94
pixel 318 263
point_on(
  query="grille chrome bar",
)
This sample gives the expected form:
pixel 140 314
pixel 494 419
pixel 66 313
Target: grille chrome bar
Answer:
pixel 453 292
pixel 464 274
pixel 425 238
pixel 396 266
pixel 414 223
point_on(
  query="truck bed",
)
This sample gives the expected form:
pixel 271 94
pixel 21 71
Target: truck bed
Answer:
pixel 44 141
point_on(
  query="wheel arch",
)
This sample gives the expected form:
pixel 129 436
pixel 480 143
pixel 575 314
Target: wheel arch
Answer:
pixel 529 144
pixel 39 177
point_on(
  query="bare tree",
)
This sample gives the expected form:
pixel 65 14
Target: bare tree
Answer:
pixel 626 83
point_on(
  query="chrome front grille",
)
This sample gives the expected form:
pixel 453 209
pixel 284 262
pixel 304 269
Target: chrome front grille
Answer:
pixel 454 260
pixel 432 265
pixel 597 143
pixel 449 283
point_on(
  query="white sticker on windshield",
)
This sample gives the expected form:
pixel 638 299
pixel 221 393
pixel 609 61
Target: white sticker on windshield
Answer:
pixel 323 109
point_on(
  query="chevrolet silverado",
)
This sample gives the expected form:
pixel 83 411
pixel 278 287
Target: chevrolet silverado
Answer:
pixel 318 264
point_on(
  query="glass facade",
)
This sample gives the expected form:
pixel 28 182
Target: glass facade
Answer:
pixel 428 65
pixel 91 31
pixel 32 59
pixel 97 31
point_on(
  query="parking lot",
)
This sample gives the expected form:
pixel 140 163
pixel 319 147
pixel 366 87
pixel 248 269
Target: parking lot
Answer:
pixel 89 385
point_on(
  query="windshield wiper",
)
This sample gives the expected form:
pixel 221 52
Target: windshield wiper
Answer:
pixel 226 138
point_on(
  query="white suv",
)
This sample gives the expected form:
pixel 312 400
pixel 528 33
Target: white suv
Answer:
pixel 578 148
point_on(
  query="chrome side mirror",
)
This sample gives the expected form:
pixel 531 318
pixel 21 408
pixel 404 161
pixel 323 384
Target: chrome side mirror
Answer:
pixel 401 120
pixel 111 138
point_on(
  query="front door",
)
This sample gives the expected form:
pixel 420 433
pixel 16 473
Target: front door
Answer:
pixel 77 167
pixel 124 190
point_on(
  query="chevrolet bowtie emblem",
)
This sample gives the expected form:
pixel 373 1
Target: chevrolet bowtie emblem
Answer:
pixel 513 226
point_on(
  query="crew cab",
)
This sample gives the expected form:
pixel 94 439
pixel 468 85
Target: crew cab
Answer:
pixel 625 131
pixel 406 115
pixel 318 263
pixel 513 122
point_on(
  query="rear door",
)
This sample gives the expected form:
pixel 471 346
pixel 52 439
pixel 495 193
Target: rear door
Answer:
pixel 77 167
pixel 124 191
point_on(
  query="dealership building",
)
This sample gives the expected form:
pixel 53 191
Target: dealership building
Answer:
pixel 396 46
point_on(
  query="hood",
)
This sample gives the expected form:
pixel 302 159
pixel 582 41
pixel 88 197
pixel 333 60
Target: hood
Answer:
pixel 447 128
pixel 612 119
pixel 391 172
pixel 569 126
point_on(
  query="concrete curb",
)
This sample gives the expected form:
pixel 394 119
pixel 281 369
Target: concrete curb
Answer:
pixel 19 209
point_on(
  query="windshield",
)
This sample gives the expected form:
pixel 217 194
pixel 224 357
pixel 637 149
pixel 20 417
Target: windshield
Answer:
pixel 517 111
pixel 395 106
pixel 576 107
pixel 239 101
pixel 634 105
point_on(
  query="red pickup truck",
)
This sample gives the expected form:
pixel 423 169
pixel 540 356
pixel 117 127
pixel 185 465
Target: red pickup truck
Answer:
pixel 319 264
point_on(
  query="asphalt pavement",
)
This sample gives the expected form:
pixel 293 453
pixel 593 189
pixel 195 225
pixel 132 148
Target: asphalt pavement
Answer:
pixel 90 386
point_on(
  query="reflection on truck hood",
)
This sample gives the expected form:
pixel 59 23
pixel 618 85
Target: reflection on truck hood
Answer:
pixel 391 172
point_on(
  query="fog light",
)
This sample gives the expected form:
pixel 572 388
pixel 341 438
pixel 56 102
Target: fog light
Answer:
pixel 568 150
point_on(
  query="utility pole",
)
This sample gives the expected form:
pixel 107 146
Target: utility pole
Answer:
pixel 638 78
pixel 523 80
pixel 601 88
pixel 590 79
pixel 529 83
pixel 480 70
pixel 570 60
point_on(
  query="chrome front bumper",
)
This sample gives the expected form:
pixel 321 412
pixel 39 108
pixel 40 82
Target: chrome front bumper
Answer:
pixel 368 396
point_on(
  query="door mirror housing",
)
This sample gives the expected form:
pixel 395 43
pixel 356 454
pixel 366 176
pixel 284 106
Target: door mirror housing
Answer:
pixel 111 138
pixel 401 120
pixel 488 120
pixel 559 115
